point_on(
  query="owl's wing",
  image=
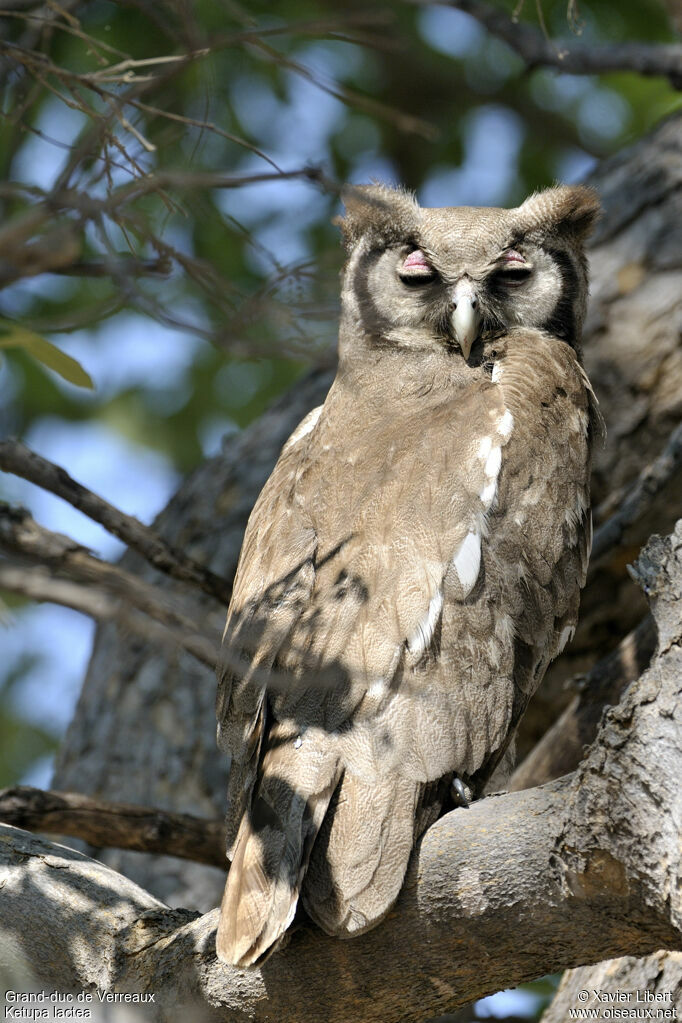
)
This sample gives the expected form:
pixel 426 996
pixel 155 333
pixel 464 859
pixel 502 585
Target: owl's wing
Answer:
pixel 420 602
pixel 540 533
pixel 341 573
pixel 273 581
pixel 412 515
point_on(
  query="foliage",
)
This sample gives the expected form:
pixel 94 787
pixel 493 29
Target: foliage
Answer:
pixel 215 92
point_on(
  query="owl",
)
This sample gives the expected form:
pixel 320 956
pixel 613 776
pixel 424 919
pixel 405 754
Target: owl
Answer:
pixel 415 560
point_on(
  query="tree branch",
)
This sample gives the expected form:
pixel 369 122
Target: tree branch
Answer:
pixel 37 583
pixel 575 871
pixel 21 535
pixel 16 458
pixel 626 979
pixel 120 825
pixel 640 496
pixel 61 563
pixel 536 50
pixel 464 892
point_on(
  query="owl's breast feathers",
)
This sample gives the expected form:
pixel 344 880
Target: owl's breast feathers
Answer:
pixel 409 571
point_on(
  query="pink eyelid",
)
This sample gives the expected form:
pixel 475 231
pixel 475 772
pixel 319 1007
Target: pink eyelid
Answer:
pixel 417 261
pixel 512 256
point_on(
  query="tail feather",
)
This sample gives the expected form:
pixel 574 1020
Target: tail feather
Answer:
pixel 297 781
pixel 359 860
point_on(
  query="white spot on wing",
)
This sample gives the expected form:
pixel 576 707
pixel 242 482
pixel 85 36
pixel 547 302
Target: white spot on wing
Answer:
pixel 493 462
pixel 497 372
pixel 423 634
pixel 506 424
pixel 566 636
pixel 305 427
pixel 484 447
pixel 467 561
pixel 487 494
pixel 376 689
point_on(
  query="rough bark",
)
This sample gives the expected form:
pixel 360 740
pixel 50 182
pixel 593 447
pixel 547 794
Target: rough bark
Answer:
pixel 633 354
pixel 629 979
pixel 563 745
pixel 622 983
pixel 571 872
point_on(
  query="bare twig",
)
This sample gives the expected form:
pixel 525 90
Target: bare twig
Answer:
pixel 536 50
pixel 37 583
pixel 117 266
pixel 41 67
pixel 114 825
pixel 399 118
pixel 159 179
pixel 21 535
pixel 16 458
pixel 640 496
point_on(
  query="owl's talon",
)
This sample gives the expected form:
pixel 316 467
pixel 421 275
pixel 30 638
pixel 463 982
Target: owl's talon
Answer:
pixel 461 793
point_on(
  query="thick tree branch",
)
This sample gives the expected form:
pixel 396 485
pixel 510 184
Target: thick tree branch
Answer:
pixel 464 892
pixel 18 459
pixel 122 825
pixel 658 975
pixel 575 871
pixel 536 50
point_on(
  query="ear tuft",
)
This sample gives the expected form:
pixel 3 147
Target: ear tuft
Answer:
pixel 384 214
pixel 581 208
pixel 573 208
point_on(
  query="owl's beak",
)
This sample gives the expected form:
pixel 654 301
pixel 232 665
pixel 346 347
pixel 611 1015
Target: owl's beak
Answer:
pixel 466 316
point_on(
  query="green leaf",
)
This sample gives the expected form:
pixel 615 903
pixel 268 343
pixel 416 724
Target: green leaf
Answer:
pixel 14 336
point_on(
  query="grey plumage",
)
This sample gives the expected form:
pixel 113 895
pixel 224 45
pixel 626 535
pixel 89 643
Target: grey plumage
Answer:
pixel 413 563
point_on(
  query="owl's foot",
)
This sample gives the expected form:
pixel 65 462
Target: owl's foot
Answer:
pixel 461 793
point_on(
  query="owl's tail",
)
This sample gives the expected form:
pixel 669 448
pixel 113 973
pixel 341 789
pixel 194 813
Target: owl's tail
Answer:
pixel 296 782
pixel 358 862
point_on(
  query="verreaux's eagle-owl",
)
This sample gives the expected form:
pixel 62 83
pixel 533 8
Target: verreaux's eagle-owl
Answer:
pixel 414 562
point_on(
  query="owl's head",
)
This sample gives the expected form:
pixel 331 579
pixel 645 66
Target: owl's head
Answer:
pixel 422 278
